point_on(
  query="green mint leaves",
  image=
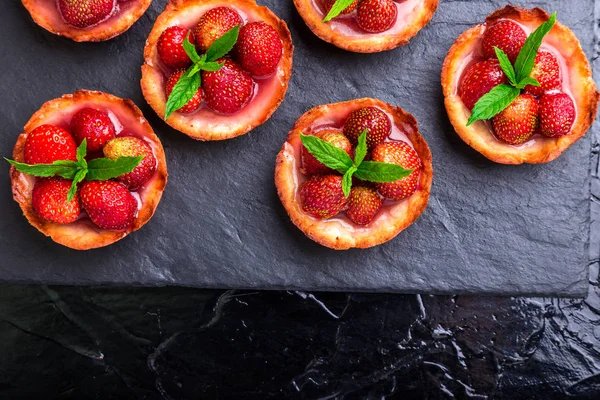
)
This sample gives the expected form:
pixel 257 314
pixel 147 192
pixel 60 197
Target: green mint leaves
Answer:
pixel 98 169
pixel 188 84
pixel 518 75
pixel 337 159
pixel 337 8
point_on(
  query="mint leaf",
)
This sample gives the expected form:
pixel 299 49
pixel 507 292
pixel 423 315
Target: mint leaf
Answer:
pixel 493 102
pixel 374 171
pixel 327 153
pixel 506 66
pixel 526 58
pixel 190 50
pixel 79 176
pixel 336 9
pixel 361 149
pixel 102 169
pixel 212 66
pixel 183 91
pixel 63 168
pixel 347 180
pixel 528 81
pixel 223 45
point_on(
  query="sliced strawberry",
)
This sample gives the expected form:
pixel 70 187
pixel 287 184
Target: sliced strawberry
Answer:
pixel 376 16
pixel 327 4
pixel 375 121
pixel 363 205
pixel 93 125
pixel 402 154
pixel 48 143
pixel 517 122
pixel 259 48
pixel 214 24
pixel 170 47
pixel 108 204
pixel 557 114
pixel 49 201
pixel 479 79
pixel 194 102
pixel 229 89
pixel 129 146
pixel 507 36
pixel 547 72
pixel 86 13
pixel 322 196
pixel 310 165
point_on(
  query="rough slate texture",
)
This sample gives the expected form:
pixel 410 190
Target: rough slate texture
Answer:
pixel 489 228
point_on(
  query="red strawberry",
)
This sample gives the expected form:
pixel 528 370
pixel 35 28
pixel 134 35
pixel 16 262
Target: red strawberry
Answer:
pixel 363 205
pixel 214 24
pixel 170 47
pixel 310 165
pixel 375 121
pixel 402 154
pixel 327 4
pixel 322 196
pixel 506 35
pixel 229 89
pixel 93 125
pixel 557 114
pixel 108 204
pixel 517 122
pixel 49 201
pixel 48 143
pixel 547 71
pixel 129 146
pixel 375 16
pixel 85 13
pixel 259 48
pixel 194 102
pixel 479 79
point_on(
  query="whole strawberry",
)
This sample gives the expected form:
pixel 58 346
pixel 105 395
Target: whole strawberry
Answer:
pixel 506 35
pixel 376 16
pixel 478 80
pixel 322 196
pixel 86 13
pixel 108 204
pixel 48 143
pixel 259 48
pixel 375 121
pixel 327 4
pixel 194 102
pixel 227 90
pixel 49 201
pixel 93 125
pixel 129 146
pixel 557 114
pixel 547 72
pixel 517 122
pixel 170 47
pixel 402 154
pixel 214 24
pixel 363 205
pixel 310 165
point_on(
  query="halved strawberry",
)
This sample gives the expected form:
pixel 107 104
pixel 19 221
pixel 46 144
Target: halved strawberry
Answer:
pixel 310 165
pixel 93 125
pixel 48 143
pixel 557 114
pixel 85 13
pixel 259 48
pixel 229 89
pixel 547 72
pixel 49 201
pixel 402 154
pixel 517 122
pixel 363 205
pixel 129 146
pixel 479 79
pixel 108 204
pixel 375 121
pixel 170 47
pixel 506 35
pixel 214 24
pixel 375 16
pixel 322 196
pixel 194 102
pixel 327 4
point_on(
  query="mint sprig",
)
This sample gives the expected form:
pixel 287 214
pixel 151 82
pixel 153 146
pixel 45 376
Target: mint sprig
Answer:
pixel 519 75
pixel 189 82
pixel 96 169
pixel 337 159
pixel 338 7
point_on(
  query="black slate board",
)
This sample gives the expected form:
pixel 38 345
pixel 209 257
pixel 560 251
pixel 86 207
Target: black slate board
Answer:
pixel 489 228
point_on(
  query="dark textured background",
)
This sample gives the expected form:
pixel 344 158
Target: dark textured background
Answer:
pixel 489 228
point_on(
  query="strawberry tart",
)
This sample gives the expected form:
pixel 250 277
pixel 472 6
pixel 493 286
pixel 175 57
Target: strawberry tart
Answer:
pixel 354 174
pixel 518 88
pixel 366 26
pixel 86 20
pixel 216 69
pixel 88 169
